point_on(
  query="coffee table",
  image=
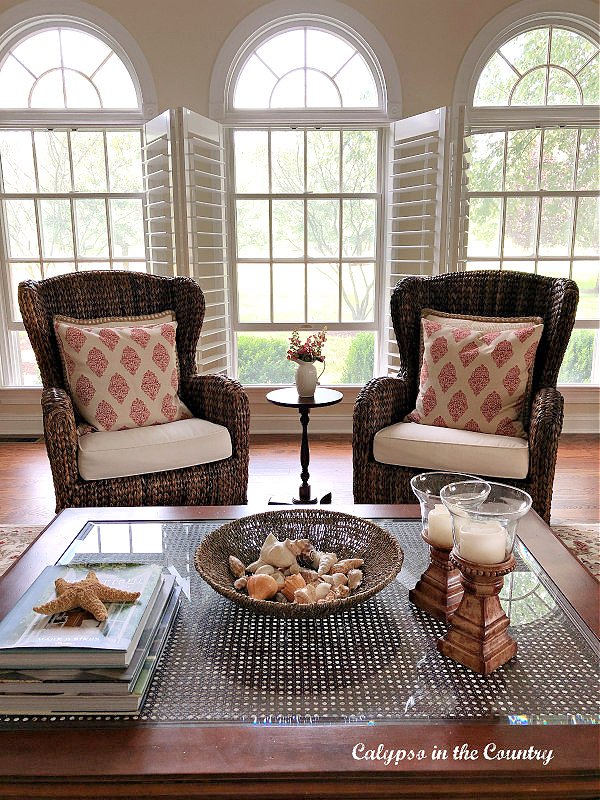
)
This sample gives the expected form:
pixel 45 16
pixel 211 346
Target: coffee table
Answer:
pixel 189 745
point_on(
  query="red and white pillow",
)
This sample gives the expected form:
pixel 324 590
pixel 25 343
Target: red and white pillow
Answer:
pixel 475 372
pixel 122 373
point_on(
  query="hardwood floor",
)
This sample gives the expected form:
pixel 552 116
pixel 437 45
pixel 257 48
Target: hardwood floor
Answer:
pixel 27 496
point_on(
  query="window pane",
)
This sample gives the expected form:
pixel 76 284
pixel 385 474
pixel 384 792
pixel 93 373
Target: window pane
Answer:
pixel 127 228
pixel 359 161
pixel 85 266
pixel 494 84
pixel 487 162
pixel 520 226
pixel 114 83
pixel 80 91
pixel 57 231
pixel 92 235
pixel 22 229
pixel 288 228
pixel 129 266
pixel 287 162
pixel 326 51
pixel 484 226
pixel 323 228
pixel 586 235
pixel 562 89
pixel 254 291
pixel 82 51
pixel 558 163
pixel 359 228
pixel 30 374
pixel 254 85
pixel 588 166
pixel 321 91
pixel 284 52
pixel 18 273
pixel 587 276
pixel 323 293
pixel 252 228
pixel 358 292
pixel 290 91
pixel 262 358
pixel 519 266
pixel 15 84
pixel 124 161
pixel 40 52
pixel 554 269
pixel 16 160
pixel 323 161
pixel 570 50
pixel 527 50
pixel 52 153
pixel 288 293
pixel 531 89
pixel 522 160
pixel 356 84
pixel 589 79
pixel 89 166
pixel 556 226
pixel 251 162
pixel 49 92
pixel 578 363
pixel 61 268
pixel 359 361
pixel 473 265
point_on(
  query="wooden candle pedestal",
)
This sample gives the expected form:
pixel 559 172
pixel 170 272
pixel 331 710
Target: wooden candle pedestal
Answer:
pixel 439 590
pixel 478 637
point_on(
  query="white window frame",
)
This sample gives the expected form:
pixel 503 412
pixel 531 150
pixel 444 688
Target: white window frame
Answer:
pixel 15 26
pixel 521 17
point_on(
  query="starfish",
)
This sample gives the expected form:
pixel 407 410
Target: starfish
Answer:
pixel 88 594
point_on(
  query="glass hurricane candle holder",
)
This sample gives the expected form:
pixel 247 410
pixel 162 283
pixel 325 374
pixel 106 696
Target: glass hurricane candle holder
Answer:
pixel 439 589
pixel 484 533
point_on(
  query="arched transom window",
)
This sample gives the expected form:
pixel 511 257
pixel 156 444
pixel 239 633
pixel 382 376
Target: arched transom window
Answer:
pixel 542 67
pixel 306 68
pixel 65 68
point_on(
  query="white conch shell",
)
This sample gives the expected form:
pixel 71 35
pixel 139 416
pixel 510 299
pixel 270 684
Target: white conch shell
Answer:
pixel 305 595
pixel 355 578
pixel 326 562
pixel 277 554
pixel 298 546
pixel 322 590
pixel 236 567
pixel 338 579
pixel 346 565
pixel 279 578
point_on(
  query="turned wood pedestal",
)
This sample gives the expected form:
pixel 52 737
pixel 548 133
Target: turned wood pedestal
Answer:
pixel 439 590
pixel 478 636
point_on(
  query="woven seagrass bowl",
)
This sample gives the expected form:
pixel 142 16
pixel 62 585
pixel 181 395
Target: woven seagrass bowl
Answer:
pixel 329 531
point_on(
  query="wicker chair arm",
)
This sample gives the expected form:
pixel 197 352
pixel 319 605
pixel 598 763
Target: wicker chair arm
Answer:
pixel 382 402
pixel 60 430
pixel 223 401
pixel 545 425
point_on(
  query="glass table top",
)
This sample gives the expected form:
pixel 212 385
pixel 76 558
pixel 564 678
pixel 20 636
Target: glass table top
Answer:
pixel 376 663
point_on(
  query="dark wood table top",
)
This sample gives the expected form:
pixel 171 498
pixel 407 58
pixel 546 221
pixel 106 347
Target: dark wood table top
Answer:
pixel 290 398
pixel 330 761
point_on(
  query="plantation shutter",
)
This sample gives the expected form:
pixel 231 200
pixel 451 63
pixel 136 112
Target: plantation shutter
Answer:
pixel 159 199
pixel 415 228
pixel 186 219
pixel 458 223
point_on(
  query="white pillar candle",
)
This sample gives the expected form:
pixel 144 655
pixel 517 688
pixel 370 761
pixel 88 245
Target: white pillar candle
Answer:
pixel 439 526
pixel 482 542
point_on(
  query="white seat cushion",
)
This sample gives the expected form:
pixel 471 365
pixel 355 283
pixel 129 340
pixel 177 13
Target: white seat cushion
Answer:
pixel 138 451
pixel 409 444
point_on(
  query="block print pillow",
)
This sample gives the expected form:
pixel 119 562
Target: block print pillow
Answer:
pixel 122 376
pixel 475 379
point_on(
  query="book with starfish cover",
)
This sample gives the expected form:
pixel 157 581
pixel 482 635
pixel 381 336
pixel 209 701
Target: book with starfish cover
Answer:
pixel 74 638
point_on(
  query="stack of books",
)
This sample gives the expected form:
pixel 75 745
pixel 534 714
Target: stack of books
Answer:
pixel 68 662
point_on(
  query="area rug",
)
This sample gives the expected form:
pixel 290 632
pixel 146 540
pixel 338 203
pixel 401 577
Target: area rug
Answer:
pixel 583 540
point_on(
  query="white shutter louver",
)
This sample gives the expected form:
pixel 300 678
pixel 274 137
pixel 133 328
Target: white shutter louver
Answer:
pixel 159 199
pixel 414 226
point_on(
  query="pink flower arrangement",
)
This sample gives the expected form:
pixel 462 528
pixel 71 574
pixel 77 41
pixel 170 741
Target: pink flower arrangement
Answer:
pixel 311 349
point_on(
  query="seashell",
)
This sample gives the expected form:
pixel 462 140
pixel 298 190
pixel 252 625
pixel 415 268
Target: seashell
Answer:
pixel 342 591
pixel 306 595
pixel 339 579
pixel 265 569
pixel 355 578
pixel 330 596
pixel 279 579
pixel 322 590
pixel 280 598
pixel 261 587
pixel 292 582
pixel 276 553
pixel 346 565
pixel 328 579
pixel 294 569
pixel 240 583
pixel 298 546
pixel 236 567
pixel 326 562
pixel 314 556
pixel 254 565
pixel 309 575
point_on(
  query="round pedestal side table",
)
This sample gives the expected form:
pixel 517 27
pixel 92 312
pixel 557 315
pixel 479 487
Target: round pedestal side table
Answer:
pixel 289 398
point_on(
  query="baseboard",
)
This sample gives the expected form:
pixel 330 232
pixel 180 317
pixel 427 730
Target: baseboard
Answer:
pixel 21 425
pixel 290 423
pixel 581 423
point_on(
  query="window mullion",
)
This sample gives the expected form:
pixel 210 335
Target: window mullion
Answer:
pixel 305 207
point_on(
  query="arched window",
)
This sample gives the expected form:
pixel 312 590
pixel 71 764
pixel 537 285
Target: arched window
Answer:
pixel 71 189
pixel 532 177
pixel 306 196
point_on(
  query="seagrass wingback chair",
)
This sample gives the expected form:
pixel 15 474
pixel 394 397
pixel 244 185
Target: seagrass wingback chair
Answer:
pixel 214 398
pixel 385 401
